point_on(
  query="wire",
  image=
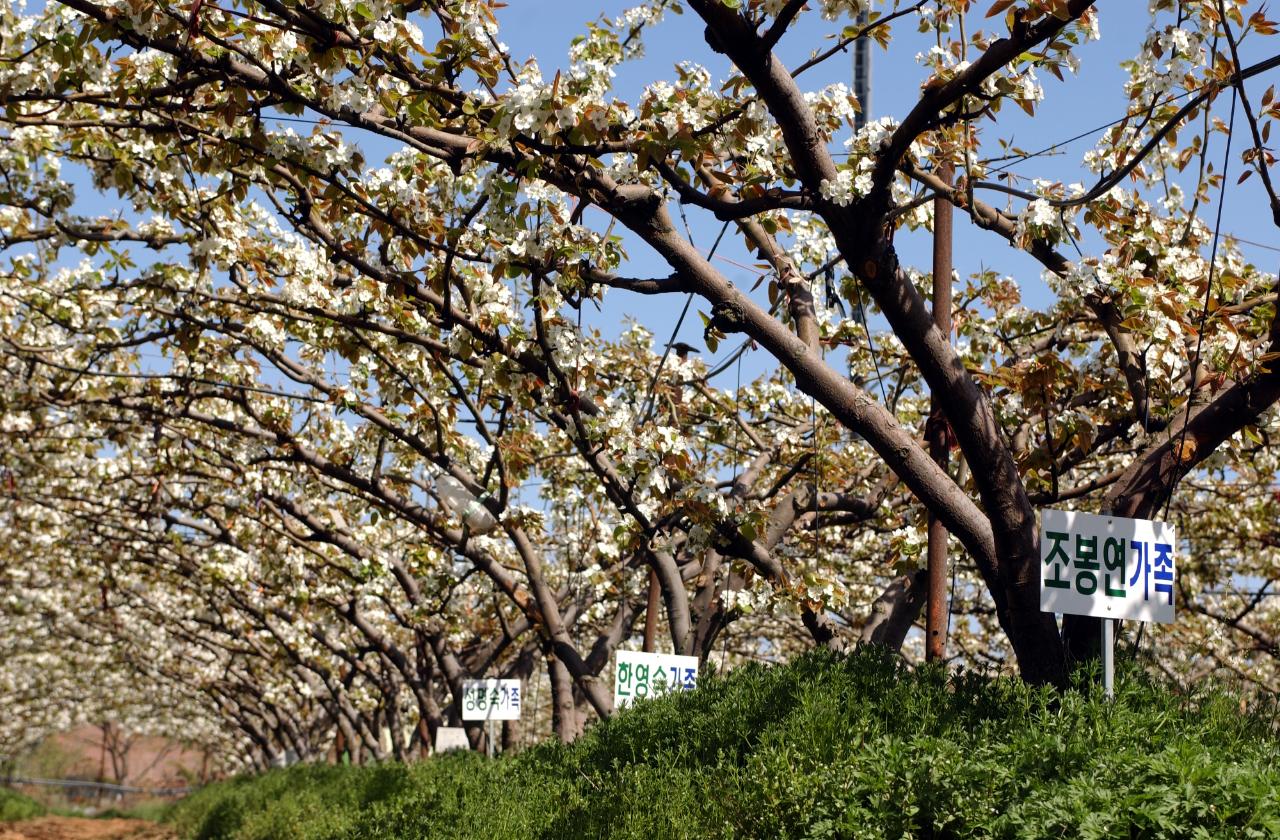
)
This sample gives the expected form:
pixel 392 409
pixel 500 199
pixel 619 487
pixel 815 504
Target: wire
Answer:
pixel 1204 310
pixel 1017 159
pixel 817 461
pixel 737 412
pixel 871 348
pixel 649 401
pixel 729 360
pixel 1254 244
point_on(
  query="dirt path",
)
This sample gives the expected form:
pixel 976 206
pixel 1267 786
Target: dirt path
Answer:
pixel 75 828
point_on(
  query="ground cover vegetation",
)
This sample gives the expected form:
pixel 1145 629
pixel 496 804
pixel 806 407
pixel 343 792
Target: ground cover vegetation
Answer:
pixel 16 806
pixel 307 414
pixel 824 747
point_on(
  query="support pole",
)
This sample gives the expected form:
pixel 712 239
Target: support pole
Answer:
pixel 862 75
pixel 651 613
pixel 935 645
pixel 1109 657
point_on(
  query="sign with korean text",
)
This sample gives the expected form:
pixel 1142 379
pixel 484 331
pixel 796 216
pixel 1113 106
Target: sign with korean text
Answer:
pixel 638 675
pixel 1106 566
pixel 491 699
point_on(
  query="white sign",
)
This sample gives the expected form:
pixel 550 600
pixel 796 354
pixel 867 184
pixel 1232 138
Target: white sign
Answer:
pixel 1106 566
pixel 451 738
pixel 491 699
pixel 638 675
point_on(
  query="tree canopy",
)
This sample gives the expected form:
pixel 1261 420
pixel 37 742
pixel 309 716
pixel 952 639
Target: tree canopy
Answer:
pixel 308 414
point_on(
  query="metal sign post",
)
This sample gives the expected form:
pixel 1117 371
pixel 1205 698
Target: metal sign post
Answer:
pixel 1109 658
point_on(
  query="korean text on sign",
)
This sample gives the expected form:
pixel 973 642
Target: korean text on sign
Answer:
pixel 1106 566
pixel 638 675
pixel 491 700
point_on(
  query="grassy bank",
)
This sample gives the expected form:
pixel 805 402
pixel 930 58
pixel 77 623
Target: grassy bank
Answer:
pixel 16 806
pixel 824 747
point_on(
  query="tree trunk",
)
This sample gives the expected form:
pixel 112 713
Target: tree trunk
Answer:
pixel 894 612
pixel 564 713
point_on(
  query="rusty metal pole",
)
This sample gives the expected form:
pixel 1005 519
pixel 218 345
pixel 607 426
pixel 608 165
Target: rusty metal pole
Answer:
pixel 935 646
pixel 651 613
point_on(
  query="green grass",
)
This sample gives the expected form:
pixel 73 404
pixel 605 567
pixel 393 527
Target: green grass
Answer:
pixel 855 747
pixel 15 806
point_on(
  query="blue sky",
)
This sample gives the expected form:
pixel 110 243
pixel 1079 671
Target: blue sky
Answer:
pixel 544 28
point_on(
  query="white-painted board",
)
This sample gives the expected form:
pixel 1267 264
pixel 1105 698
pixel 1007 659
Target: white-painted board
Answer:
pixel 491 699
pixel 637 675
pixel 451 738
pixel 1107 566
